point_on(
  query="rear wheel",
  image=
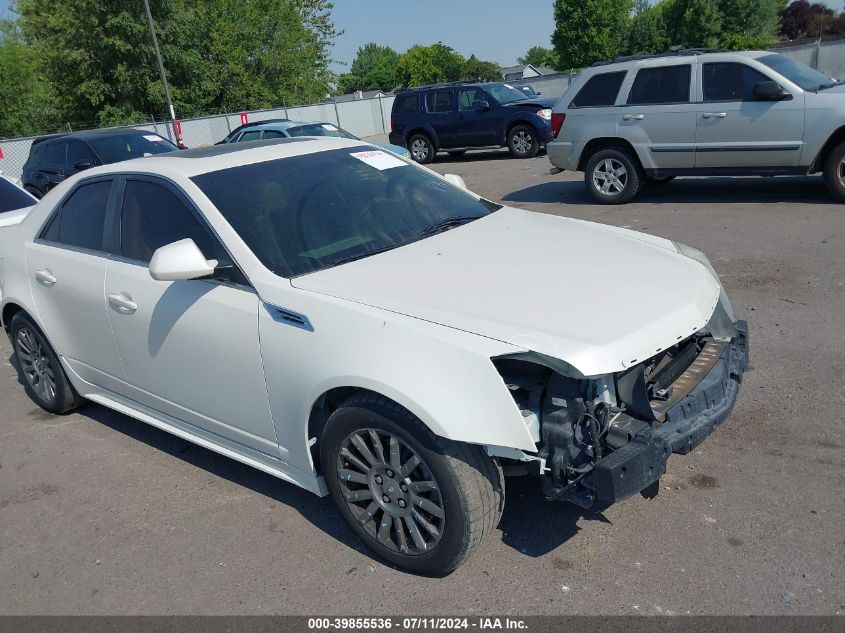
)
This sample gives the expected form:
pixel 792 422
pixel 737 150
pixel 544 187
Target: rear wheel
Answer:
pixel 612 176
pixel 420 502
pixel 44 379
pixel 34 191
pixel 522 141
pixel 834 172
pixel 421 148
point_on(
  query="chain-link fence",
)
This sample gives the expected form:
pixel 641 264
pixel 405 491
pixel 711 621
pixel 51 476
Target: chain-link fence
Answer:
pixel 363 117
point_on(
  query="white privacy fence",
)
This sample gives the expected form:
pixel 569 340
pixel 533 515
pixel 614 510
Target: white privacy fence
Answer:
pixel 364 117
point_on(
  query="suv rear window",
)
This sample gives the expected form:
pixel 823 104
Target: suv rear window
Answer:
pixel 407 103
pixel 666 84
pixel 600 90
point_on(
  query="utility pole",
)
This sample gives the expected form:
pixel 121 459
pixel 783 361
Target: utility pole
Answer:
pixel 176 134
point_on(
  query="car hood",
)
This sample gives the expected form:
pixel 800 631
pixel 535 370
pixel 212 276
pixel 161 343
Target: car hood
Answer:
pixel 597 297
pixel 538 103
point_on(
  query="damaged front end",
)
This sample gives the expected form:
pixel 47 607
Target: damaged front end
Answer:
pixel 603 439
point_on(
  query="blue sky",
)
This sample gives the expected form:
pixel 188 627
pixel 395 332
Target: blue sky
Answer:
pixel 495 30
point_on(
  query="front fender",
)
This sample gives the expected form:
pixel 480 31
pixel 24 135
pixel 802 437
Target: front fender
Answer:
pixel 443 376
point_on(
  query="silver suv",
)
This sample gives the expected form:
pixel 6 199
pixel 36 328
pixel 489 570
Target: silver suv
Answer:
pixel 648 119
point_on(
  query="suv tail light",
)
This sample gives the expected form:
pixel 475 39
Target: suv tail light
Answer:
pixel 557 122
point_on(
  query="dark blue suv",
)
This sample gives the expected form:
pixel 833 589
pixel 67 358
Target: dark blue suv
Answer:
pixel 457 117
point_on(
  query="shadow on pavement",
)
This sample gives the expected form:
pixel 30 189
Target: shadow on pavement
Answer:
pixel 807 190
pixel 535 526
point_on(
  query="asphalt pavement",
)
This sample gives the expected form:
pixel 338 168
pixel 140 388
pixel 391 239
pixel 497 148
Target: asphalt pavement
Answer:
pixel 101 514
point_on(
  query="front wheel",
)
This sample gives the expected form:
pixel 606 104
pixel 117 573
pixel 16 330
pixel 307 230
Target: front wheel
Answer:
pixel 612 176
pixel 834 172
pixel 420 502
pixel 522 141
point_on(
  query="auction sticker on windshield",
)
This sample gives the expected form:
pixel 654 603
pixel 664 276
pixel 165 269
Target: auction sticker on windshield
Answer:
pixel 379 160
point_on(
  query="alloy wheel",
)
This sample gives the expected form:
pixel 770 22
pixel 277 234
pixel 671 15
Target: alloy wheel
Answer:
pixel 610 177
pixel 35 364
pixel 419 149
pixel 522 142
pixel 840 173
pixel 391 491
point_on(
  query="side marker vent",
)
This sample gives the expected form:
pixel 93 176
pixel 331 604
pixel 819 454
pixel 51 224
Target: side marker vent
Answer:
pixel 289 317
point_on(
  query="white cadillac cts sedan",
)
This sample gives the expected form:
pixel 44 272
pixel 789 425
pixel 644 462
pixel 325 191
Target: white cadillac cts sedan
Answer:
pixel 362 327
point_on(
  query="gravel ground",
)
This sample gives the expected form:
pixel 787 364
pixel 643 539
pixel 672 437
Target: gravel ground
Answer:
pixel 100 514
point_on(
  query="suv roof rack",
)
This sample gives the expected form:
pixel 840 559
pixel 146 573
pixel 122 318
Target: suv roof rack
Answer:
pixel 681 52
pixel 444 85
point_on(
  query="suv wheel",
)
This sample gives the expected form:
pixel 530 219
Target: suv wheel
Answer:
pixel 418 501
pixel 834 172
pixel 522 141
pixel 34 191
pixel 422 151
pixel 612 176
pixel 44 379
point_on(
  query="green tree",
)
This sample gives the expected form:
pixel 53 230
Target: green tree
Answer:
pixel 588 31
pixel 372 69
pixel 693 23
pixel 539 56
pixel 26 97
pixel 750 23
pixel 479 70
pixel 428 64
pixel 647 33
pixel 219 54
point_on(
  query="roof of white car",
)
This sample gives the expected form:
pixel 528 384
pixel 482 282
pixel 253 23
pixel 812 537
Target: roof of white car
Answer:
pixel 624 63
pixel 201 160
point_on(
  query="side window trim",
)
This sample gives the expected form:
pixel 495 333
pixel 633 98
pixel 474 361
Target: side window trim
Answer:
pixel 183 197
pixel 55 215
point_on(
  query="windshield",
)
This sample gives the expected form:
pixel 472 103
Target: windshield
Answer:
pixel 118 147
pixel 306 213
pixel 505 93
pixel 320 129
pixel 798 73
pixel 12 198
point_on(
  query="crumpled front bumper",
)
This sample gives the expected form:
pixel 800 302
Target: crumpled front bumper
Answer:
pixel 641 462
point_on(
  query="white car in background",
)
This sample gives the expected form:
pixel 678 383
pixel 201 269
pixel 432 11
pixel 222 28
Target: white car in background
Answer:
pixel 360 326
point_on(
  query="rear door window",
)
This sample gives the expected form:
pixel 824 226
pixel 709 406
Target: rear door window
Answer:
pixel 440 101
pixel 729 81
pixel 273 134
pixel 80 222
pixel 665 84
pixel 253 135
pixel 54 154
pixel 600 90
pixel 407 103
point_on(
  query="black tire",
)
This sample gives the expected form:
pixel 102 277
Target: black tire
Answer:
pixel 42 374
pixel 457 153
pixel 522 141
pixel 624 185
pixel 468 486
pixel 834 172
pixel 33 191
pixel 421 149
pixel 661 180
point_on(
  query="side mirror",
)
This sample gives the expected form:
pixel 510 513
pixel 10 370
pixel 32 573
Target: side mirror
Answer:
pixel 769 90
pixel 456 180
pixel 83 164
pixel 180 260
pixel 482 105
pixel 537 93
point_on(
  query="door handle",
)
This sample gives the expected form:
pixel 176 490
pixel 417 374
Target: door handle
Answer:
pixel 633 117
pixel 45 277
pixel 715 115
pixel 122 303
